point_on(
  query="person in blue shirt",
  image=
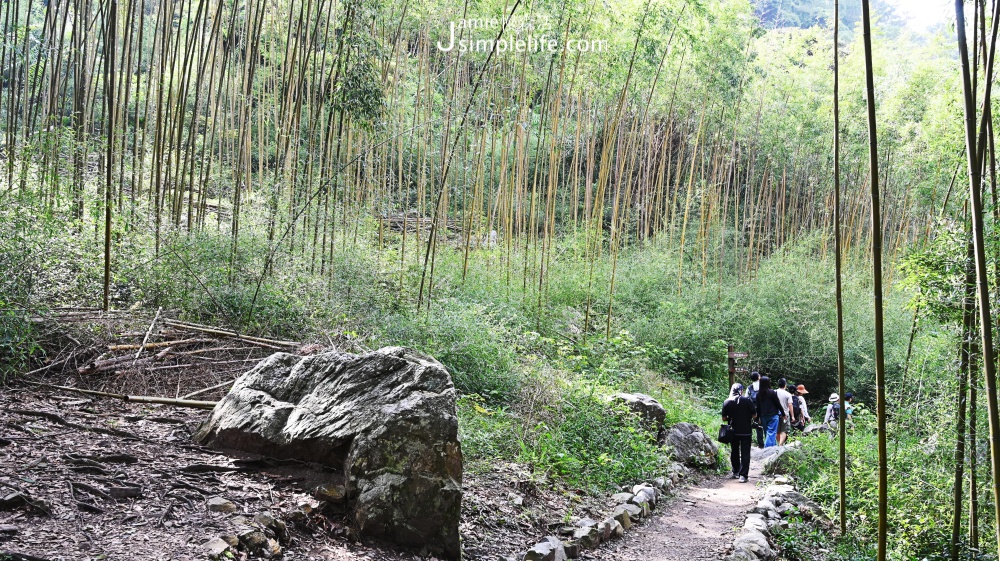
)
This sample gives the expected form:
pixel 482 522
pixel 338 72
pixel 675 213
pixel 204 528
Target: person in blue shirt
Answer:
pixel 769 411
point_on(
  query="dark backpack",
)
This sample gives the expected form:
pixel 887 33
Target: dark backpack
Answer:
pixel 797 409
pixel 752 393
pixel 836 411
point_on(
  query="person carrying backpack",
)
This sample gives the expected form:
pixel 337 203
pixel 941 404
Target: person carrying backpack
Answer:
pixel 800 409
pixel 785 398
pixel 832 410
pixel 751 393
pixel 739 412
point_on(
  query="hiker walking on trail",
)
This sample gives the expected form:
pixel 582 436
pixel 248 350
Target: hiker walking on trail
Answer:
pixel 785 426
pixel 832 410
pixel 769 411
pixel 800 409
pixel 739 412
pixel 751 392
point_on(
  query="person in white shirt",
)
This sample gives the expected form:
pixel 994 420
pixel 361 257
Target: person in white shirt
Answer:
pixel 785 399
pixel 832 410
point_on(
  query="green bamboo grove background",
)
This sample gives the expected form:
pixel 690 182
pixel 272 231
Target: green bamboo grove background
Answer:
pixel 309 118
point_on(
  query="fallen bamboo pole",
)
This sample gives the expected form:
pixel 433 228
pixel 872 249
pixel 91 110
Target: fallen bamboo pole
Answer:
pixel 134 398
pixel 228 333
pixel 206 390
pixel 152 325
pixel 158 345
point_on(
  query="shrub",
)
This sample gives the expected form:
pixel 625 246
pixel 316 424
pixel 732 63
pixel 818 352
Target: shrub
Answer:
pixel 473 344
pixel 594 443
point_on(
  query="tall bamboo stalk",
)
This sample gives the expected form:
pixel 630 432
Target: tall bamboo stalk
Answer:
pixel 973 156
pixel 838 265
pixel 876 248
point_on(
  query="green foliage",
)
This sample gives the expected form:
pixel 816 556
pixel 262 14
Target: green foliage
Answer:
pixel 920 493
pixel 474 344
pixel 19 286
pixel 195 275
pixel 937 274
pixel 578 438
pixel 805 541
pixel 487 433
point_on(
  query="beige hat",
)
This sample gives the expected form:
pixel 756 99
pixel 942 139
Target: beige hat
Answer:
pixel 834 398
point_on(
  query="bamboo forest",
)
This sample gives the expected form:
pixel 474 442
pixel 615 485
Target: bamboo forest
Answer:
pixel 663 280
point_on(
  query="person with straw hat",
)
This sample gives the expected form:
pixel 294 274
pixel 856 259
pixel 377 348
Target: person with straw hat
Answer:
pixel 800 408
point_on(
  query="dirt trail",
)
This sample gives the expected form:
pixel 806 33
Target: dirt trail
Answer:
pixel 699 524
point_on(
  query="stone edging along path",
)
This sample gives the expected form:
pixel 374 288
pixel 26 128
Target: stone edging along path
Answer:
pixel 633 505
pixel 780 501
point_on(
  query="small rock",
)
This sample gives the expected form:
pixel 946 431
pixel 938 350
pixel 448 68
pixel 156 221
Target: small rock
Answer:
pixel 549 549
pixel 785 509
pixel 301 513
pixel 622 497
pixel 755 542
pixel 660 482
pixel 763 506
pixel 12 501
pixel 8 529
pixel 648 489
pixel 622 517
pixel 634 512
pixel 518 500
pixel 642 503
pixel 756 522
pixel 572 549
pixel 817 428
pixel 604 528
pixel 219 504
pixel 779 522
pixel 586 523
pixel 271 549
pixel 276 525
pixel 232 540
pixel 215 548
pixel 651 496
pixel 566 530
pixel 741 554
pixel 330 493
pixel 588 538
pixel 254 540
pixel 617 530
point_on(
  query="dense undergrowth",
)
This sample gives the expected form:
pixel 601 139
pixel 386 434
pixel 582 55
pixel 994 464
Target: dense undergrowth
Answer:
pixel 535 381
pixel 921 451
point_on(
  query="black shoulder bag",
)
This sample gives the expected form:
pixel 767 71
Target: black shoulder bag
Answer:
pixel 726 431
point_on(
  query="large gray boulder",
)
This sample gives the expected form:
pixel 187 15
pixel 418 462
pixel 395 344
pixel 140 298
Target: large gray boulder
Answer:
pixel 779 459
pixel 817 428
pixel 387 419
pixel 646 407
pixel 691 445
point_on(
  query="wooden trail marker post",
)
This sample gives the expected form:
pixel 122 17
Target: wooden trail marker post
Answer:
pixel 733 356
